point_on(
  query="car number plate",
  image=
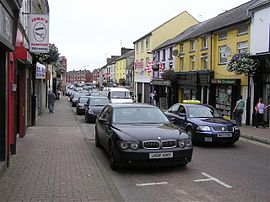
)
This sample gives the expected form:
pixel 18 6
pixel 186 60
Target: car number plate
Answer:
pixel 208 139
pixel 224 134
pixel 160 155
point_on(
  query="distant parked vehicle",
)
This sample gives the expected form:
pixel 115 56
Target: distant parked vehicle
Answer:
pixel 75 97
pixel 80 107
pixel 118 95
pixel 94 106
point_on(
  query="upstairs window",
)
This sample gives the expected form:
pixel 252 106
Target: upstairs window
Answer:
pixel 222 36
pixel 242 47
pixel 142 45
pixel 192 62
pixel 171 51
pixel 137 47
pixel 204 61
pixel 182 48
pixel 163 54
pixel 204 42
pixel 147 43
pixel 192 45
pixel 222 55
pixel 242 30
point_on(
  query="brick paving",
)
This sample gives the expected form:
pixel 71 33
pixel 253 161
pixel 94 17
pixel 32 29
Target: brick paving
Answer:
pixel 54 163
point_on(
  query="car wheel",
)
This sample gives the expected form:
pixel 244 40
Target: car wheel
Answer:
pixel 113 164
pixel 97 143
pixel 86 119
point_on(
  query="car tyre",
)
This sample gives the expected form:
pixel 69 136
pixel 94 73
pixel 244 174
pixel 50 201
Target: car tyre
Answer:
pixel 97 142
pixel 113 164
pixel 86 119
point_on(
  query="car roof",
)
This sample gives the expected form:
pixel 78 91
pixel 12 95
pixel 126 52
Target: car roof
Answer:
pixel 133 105
pixel 117 89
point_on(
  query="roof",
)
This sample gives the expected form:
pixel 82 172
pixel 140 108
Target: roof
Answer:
pixel 259 4
pixel 150 33
pixel 223 20
pixel 127 54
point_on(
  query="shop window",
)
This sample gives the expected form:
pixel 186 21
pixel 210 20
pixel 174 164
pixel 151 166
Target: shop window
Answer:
pixel 224 99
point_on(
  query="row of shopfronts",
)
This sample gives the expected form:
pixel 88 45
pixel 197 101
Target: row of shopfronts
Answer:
pixel 22 92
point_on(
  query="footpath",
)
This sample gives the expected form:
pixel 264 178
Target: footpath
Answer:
pixel 54 163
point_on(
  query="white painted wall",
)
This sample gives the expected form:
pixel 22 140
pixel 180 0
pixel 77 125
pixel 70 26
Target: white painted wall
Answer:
pixel 260 31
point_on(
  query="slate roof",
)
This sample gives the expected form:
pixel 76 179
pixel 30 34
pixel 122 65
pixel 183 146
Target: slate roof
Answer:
pixel 259 3
pixel 231 17
pixel 127 54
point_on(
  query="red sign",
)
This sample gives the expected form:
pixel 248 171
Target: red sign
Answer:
pixel 138 65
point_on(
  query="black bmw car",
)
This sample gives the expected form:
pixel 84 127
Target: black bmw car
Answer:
pixel 141 135
pixel 94 106
pixel 204 123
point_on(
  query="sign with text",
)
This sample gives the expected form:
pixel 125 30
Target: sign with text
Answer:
pixel 40 71
pixel 39 33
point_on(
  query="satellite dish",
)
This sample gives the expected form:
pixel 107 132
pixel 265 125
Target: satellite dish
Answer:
pixel 227 51
pixel 175 52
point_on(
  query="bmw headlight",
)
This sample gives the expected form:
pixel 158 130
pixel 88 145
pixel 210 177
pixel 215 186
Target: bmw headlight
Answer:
pixel 185 143
pixel 123 145
pixel 203 128
pixel 129 145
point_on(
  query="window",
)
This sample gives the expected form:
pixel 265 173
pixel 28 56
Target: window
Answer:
pixel 158 55
pixel 181 48
pixel 192 45
pixel 242 47
pixel 204 42
pixel 171 65
pixel 142 45
pixel 204 61
pixel 242 30
pixel 137 47
pixel 181 63
pixel 222 55
pixel 147 43
pixel 171 51
pixel 163 54
pixel 192 62
pixel 222 36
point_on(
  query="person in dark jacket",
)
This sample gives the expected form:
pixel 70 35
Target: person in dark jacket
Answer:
pixel 51 100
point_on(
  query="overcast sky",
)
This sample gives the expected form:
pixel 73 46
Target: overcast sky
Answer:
pixel 87 32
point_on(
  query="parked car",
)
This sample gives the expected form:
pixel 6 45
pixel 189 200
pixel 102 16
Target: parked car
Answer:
pixel 75 98
pixel 203 122
pixel 94 106
pixel 141 135
pixel 117 95
pixel 80 107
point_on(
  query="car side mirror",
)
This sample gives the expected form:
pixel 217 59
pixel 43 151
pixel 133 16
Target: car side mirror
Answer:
pixel 103 121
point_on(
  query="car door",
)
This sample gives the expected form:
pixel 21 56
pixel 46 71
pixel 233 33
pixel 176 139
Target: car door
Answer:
pixel 172 113
pixel 182 117
pixel 103 126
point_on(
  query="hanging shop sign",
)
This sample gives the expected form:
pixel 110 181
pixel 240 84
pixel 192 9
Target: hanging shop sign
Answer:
pixel 39 33
pixel 40 71
pixel 6 27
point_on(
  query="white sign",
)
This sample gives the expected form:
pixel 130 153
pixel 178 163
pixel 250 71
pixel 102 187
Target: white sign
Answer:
pixel 40 71
pixel 39 33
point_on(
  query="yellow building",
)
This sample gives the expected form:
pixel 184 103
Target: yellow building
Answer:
pixel 203 51
pixel 144 46
pixel 120 69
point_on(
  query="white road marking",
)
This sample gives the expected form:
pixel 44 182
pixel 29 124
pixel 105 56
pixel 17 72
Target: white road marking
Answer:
pixel 210 178
pixel 255 142
pixel 151 184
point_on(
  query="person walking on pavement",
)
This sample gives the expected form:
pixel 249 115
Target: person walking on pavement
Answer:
pixel 238 110
pixel 51 100
pixel 259 109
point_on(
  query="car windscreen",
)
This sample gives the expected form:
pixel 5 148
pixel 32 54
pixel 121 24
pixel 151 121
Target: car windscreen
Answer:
pixel 77 95
pixel 203 112
pixel 139 115
pixel 120 94
pixel 83 100
pixel 99 101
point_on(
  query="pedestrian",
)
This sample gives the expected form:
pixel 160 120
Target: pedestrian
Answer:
pixel 151 97
pixel 259 110
pixel 238 111
pixel 51 100
pixel 155 98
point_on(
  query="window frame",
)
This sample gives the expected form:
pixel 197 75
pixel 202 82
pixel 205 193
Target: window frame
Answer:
pixel 204 60
pixel 192 62
pixel 219 51
pixel 182 63
pixel 192 45
pixel 204 42
pixel 222 38
pixel 244 32
pixel 245 48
